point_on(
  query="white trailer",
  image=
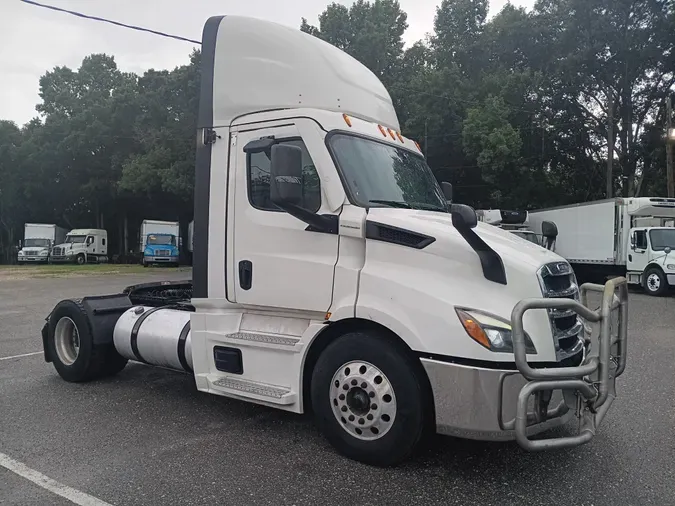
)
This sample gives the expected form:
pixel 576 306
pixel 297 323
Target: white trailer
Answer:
pixel 38 241
pixel 324 279
pixel 630 237
pixel 82 245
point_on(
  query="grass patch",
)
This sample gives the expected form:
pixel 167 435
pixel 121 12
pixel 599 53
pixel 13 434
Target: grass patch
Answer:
pixel 71 270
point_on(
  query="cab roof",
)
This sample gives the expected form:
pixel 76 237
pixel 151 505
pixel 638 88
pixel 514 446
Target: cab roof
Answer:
pixel 251 65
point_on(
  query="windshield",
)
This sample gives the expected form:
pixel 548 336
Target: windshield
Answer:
pixel 662 238
pixel 380 175
pixel 36 243
pixel 161 239
pixel 530 236
pixel 75 239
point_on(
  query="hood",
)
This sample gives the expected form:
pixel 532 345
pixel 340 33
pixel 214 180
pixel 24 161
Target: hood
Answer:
pixel 512 249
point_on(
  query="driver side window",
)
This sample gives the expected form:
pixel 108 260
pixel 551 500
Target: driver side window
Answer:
pixel 90 240
pixel 258 175
pixel 641 239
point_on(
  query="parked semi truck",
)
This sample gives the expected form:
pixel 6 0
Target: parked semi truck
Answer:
pixel 82 245
pixel 160 242
pixel 331 275
pixel 631 237
pixel 38 241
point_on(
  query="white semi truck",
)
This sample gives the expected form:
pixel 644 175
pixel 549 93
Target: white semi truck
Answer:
pixel 631 237
pixel 331 275
pixel 38 241
pixel 82 245
pixel 517 223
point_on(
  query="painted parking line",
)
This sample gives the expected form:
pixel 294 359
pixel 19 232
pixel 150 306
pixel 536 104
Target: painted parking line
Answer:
pixel 22 355
pixel 53 486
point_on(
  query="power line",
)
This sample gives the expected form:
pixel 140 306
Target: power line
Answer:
pixel 116 23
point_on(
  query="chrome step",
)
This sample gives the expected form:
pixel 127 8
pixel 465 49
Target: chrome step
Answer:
pixel 270 393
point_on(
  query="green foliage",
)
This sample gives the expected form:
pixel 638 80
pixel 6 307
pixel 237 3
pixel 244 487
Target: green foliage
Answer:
pixel 512 109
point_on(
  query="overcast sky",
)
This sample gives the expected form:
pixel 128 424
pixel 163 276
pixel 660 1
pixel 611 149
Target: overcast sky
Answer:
pixel 34 40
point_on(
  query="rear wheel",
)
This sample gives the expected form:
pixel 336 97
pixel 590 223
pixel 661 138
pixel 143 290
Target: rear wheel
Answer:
pixel 71 347
pixel 655 282
pixel 370 399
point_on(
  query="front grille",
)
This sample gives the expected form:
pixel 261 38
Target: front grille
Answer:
pixel 57 251
pixel 162 252
pixel 557 281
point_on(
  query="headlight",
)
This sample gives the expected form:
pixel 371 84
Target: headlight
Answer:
pixel 20 253
pixel 671 267
pixel 44 253
pixel 147 252
pixel 490 331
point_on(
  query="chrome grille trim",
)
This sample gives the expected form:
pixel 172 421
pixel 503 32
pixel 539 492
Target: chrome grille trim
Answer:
pixel 557 281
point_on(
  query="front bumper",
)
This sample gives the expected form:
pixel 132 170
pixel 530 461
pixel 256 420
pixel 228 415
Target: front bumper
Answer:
pixel 32 259
pixel 493 404
pixel 63 258
pixel 479 403
pixel 671 279
pixel 161 259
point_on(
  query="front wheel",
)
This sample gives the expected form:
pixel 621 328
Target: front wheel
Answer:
pixel 81 259
pixel 655 282
pixel 370 399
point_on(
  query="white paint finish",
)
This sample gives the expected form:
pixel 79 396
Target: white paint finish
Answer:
pixel 414 292
pixel 290 69
pixel 158 227
pixel 217 214
pixel 73 495
pixel 22 355
pixel 98 245
pixel 283 254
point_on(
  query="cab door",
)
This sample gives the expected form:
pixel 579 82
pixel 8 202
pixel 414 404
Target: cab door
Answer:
pixel 277 261
pixel 638 256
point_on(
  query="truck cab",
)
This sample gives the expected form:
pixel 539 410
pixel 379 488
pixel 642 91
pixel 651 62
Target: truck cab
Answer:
pixel 330 274
pixel 39 238
pixel 650 260
pixel 81 246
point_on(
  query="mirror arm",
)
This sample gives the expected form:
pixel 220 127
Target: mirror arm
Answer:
pixel 326 223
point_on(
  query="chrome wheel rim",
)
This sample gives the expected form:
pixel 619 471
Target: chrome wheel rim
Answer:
pixel 363 400
pixel 67 341
pixel 653 282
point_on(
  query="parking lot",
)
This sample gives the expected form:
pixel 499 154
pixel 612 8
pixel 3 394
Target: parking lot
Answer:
pixel 148 437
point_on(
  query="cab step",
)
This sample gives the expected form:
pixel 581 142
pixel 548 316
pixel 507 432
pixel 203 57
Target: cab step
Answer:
pixel 254 389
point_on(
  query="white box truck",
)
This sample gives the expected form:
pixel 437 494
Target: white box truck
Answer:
pixel 331 275
pixel 38 241
pixel 82 245
pixel 159 242
pixel 631 237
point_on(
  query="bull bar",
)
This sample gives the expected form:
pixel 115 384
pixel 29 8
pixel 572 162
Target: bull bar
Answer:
pixel 590 385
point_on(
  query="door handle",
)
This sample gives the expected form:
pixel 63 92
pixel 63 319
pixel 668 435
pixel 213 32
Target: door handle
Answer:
pixel 245 274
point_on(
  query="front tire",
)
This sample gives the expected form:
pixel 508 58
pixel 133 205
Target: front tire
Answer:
pixel 370 399
pixel 655 282
pixel 81 259
pixel 71 346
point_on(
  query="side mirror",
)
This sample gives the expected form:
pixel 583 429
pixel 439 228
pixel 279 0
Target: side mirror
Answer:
pixel 20 243
pixel 286 175
pixel 549 229
pixel 447 190
pixel 463 216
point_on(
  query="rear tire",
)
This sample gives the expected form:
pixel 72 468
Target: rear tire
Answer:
pixel 655 282
pixel 71 346
pixel 370 400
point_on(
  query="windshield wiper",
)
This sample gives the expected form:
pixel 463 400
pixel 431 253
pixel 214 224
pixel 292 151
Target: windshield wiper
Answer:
pixel 409 205
pixel 392 203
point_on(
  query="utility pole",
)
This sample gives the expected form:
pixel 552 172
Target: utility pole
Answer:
pixel 610 143
pixel 670 140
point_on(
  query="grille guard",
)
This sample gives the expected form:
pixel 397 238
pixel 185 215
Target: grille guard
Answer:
pixel 593 382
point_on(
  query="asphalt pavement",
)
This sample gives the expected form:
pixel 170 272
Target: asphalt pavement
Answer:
pixel 148 437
